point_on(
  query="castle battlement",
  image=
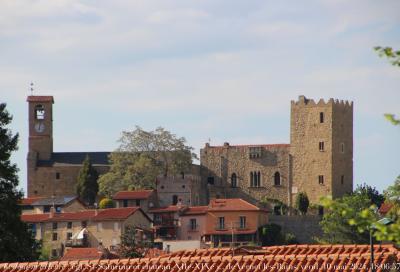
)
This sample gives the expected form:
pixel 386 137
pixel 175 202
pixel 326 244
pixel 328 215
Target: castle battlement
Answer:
pixel 304 101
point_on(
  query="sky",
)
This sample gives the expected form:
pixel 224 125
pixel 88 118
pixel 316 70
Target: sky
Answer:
pixel 223 71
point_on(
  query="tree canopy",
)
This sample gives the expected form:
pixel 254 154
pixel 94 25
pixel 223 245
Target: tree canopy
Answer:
pixel 142 156
pixel 87 187
pixel 339 221
pixel 16 241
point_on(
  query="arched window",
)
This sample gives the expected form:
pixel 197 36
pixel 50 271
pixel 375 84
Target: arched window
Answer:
pixel 277 179
pixel 174 199
pixel 39 112
pixel 255 179
pixel 251 179
pixel 234 180
pixel 258 184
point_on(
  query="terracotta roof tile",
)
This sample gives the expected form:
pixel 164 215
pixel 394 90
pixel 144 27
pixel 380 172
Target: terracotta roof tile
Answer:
pixel 142 194
pixel 215 260
pixel 82 254
pixel 171 208
pixel 195 210
pixel 231 204
pixel 385 208
pixel 29 200
pixel 106 214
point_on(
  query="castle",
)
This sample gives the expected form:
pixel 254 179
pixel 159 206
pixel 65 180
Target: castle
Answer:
pixel 318 160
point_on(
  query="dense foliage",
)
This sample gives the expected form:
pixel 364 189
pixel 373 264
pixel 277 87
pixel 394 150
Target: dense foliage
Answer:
pixel 106 203
pixel 16 241
pixel 302 202
pixel 86 186
pixel 143 156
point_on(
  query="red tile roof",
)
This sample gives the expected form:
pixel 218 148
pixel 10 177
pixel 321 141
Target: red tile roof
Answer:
pixel 386 259
pixel 231 204
pixel 74 254
pixel 154 252
pixel 40 98
pixel 171 208
pixel 385 208
pixel 29 200
pixel 106 214
pixel 115 213
pixel 142 194
pixel 194 210
pixel 34 218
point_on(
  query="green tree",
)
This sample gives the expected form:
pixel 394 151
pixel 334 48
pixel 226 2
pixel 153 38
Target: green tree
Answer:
pixel 131 247
pixel 339 221
pixel 302 202
pixel 371 192
pixel 272 235
pixel 106 203
pixel 142 156
pixel 86 186
pixel 16 241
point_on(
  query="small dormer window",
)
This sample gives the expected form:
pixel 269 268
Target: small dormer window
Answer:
pixel 39 112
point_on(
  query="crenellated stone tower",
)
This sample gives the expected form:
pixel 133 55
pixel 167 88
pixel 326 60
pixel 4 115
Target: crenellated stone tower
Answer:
pixel 321 146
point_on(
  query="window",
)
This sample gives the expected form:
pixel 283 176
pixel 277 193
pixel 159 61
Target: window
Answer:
pixel 54 253
pixel 55 225
pixel 57 175
pixel 55 236
pixel 342 179
pixel 69 235
pixel 321 117
pixel 116 226
pixel 69 225
pixel 193 224
pixel 277 210
pixel 342 147
pixel 255 179
pixel 183 186
pixel 46 209
pixel 182 175
pixel 321 179
pixel 138 202
pixel 242 222
pixel 58 209
pixel 99 226
pixel 84 224
pixel 221 222
pixel 39 112
pixel 174 199
pixel 277 179
pixel 255 152
pixel 321 146
pixel 210 180
pixel 125 203
pixel 233 180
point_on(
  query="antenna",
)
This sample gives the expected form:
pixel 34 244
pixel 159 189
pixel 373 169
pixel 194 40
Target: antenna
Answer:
pixel 31 88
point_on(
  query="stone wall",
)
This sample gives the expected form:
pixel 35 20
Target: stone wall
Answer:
pixel 303 227
pixel 223 162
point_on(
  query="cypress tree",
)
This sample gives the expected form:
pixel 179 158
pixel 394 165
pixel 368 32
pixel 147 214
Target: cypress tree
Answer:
pixel 87 187
pixel 16 241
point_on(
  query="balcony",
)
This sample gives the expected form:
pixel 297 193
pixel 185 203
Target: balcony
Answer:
pixel 77 243
pixel 166 223
pixel 230 226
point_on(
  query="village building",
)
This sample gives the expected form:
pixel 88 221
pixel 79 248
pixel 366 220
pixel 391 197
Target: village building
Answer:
pixel 89 228
pixel 35 205
pixel 145 199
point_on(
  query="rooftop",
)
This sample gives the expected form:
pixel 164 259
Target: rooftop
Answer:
pixel 139 194
pixel 89 253
pixel 75 158
pixel 106 214
pixel 231 204
pixel 283 258
pixel 40 98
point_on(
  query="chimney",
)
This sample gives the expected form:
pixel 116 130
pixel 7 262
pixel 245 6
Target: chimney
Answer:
pixel 52 211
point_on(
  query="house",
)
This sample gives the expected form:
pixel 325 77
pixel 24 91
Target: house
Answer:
pixel 305 258
pixel 233 220
pixel 166 223
pixel 36 205
pixel 193 223
pixel 89 228
pixel 145 199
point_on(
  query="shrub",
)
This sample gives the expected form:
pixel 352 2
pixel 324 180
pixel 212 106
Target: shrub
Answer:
pixel 106 203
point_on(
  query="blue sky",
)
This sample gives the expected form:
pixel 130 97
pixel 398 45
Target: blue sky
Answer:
pixel 219 70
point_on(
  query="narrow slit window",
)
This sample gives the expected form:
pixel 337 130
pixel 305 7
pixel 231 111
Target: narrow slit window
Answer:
pixel 321 179
pixel 321 146
pixel 321 117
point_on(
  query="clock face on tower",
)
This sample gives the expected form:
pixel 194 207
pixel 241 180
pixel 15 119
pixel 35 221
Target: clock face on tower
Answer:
pixel 39 127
